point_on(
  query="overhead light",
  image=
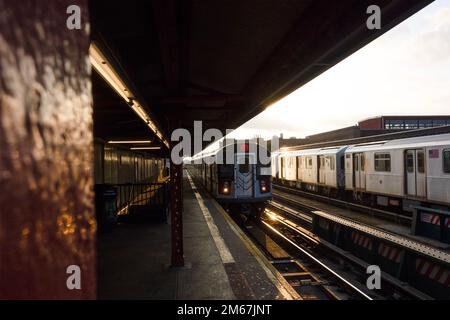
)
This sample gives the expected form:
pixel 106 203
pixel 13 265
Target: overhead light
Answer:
pixel 129 141
pixel 101 64
pixel 104 68
pixel 145 148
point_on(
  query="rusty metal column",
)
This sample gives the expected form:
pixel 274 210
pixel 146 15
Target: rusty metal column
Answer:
pixel 176 212
pixel 47 219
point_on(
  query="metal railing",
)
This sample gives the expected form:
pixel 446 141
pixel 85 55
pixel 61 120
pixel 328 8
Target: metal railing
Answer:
pixel 140 194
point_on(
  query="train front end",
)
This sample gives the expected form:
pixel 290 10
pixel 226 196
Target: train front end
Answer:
pixel 246 185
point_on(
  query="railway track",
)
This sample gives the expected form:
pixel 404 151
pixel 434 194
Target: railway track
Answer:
pixel 305 213
pixel 339 259
pixel 403 280
pixel 317 269
pixel 309 274
pixel 391 216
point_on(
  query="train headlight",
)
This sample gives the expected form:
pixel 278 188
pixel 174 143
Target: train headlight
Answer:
pixel 224 187
pixel 264 186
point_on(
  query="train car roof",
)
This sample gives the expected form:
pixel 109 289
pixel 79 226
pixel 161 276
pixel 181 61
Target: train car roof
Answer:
pixel 416 142
pixel 316 151
pixel 216 151
pixel 401 134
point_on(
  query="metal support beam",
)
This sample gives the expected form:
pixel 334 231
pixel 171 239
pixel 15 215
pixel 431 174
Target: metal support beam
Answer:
pixel 210 98
pixel 176 211
pixel 47 216
pixel 165 15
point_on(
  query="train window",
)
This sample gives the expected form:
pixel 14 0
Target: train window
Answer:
pixel 244 168
pixel 332 163
pixel 446 159
pixel 383 162
pixel 363 161
pixel 264 170
pixel 226 171
pixel 310 164
pixel 421 161
pixel 410 162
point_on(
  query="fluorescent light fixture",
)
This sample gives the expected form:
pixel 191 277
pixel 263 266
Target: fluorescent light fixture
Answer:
pixel 129 141
pixel 145 148
pixel 105 69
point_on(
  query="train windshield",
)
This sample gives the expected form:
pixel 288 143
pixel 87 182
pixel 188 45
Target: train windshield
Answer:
pixel 226 171
pixel 244 163
pixel 244 168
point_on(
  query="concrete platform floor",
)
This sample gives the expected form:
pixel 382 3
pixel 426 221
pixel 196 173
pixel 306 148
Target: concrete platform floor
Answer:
pixel 134 259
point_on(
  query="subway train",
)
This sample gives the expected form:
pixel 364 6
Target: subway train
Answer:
pixel 121 177
pixel 114 164
pixel 394 174
pixel 244 184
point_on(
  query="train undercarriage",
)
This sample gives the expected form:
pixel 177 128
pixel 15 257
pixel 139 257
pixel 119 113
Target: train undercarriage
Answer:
pixel 393 204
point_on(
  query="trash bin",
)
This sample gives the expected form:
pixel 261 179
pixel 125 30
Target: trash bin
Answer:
pixel 105 207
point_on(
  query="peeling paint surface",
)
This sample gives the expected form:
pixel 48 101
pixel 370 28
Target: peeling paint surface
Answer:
pixel 47 219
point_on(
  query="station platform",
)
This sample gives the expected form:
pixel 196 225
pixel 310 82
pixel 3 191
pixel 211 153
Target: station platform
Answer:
pixel 220 261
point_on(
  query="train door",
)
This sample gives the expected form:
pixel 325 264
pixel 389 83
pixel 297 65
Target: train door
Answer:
pixel 211 176
pixel 275 167
pixel 415 173
pixel 204 174
pixel 322 169
pixel 359 171
pixel 243 176
pixel 282 167
pixel 300 168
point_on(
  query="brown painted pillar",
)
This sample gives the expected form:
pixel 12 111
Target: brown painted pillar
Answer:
pixel 176 211
pixel 47 220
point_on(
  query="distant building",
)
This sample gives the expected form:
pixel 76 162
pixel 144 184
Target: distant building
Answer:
pixel 403 122
pixel 339 134
pixel 369 127
pixel 293 141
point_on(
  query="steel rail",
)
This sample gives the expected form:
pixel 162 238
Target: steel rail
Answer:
pixel 400 240
pixel 320 263
pixel 346 204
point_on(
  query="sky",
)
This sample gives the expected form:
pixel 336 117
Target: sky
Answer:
pixel 405 71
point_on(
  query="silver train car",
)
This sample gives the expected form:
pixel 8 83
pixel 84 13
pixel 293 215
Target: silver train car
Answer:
pixel 398 173
pixel 244 185
pixel 117 165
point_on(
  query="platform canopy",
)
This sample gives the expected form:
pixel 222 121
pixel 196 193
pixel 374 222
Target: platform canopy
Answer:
pixel 222 61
